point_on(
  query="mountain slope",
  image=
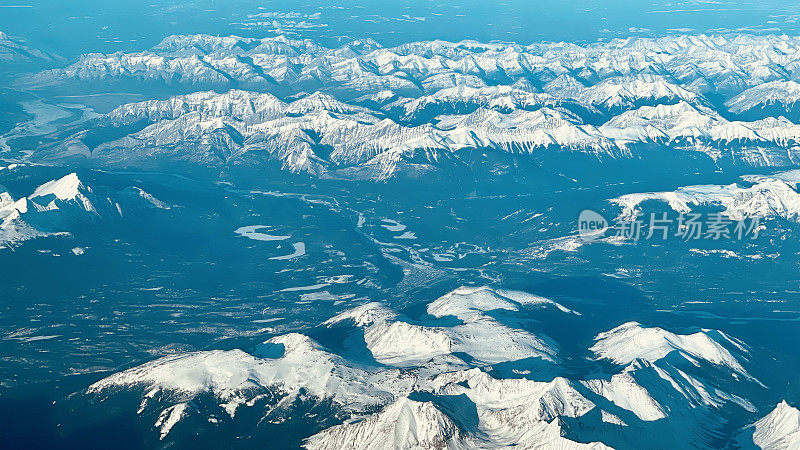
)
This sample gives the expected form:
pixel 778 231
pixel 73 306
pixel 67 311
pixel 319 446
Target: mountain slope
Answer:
pixel 363 111
pixel 54 207
pixel 429 382
pixel 780 429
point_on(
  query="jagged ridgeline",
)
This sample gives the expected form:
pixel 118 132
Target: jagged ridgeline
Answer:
pixel 435 109
pixel 460 375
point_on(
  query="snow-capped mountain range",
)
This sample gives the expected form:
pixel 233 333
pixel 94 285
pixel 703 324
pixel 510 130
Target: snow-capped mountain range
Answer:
pixel 376 112
pixel 477 367
pixel 323 136
pixel 763 196
pixel 422 382
pixel 685 67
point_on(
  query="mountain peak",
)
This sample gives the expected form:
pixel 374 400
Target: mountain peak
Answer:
pixel 403 424
pixel 780 429
pixel 364 315
pixel 65 188
pixel 630 341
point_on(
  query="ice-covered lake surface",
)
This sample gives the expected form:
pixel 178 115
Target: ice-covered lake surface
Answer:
pixel 353 226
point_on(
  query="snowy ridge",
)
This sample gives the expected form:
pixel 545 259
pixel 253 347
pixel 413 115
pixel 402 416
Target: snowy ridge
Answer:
pixel 320 135
pixel 520 399
pixel 766 196
pixel 465 301
pixel 235 104
pixel 622 390
pixel 237 378
pixel 688 65
pixel 403 344
pixel 500 98
pixel 630 341
pixel 410 424
pixel 169 417
pixel 377 112
pixel 661 391
pixel 781 93
pixel 364 315
pixel 438 400
pixel 66 189
pixel 780 429
pixel 510 412
pixel 403 424
pixel 395 341
pixel 517 412
pixel 147 199
pixel 790 177
pixel 55 205
pixel 626 92
pixel 13 229
pixel 229 375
